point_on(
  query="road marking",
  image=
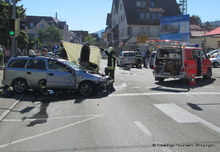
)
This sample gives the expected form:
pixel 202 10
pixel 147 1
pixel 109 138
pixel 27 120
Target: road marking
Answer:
pixel 55 118
pixel 6 112
pixel 143 128
pixel 150 135
pixel 182 116
pixel 49 132
pixel 163 93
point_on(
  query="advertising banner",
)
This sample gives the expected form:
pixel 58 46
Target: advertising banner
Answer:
pixel 175 28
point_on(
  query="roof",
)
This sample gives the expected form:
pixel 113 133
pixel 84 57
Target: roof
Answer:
pixel 50 20
pixel 197 30
pixel 166 7
pixel 213 32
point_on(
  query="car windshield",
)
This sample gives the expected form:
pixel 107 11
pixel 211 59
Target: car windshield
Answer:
pixel 73 65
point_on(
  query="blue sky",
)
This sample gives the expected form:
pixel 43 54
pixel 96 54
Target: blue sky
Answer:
pixel 90 15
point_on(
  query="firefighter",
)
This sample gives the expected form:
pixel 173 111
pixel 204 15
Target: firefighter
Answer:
pixel 110 69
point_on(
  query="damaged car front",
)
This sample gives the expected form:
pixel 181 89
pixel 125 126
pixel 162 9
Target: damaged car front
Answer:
pixel 89 83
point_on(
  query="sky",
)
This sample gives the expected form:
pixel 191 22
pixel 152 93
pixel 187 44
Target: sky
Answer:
pixel 90 15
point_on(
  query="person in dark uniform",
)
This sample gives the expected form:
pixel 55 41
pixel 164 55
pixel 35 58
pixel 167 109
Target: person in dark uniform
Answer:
pixel 63 53
pixel 110 69
pixel 84 55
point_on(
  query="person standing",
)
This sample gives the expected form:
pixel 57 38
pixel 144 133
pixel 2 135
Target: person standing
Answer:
pixel 147 56
pixel 143 54
pixel 85 55
pixel 110 69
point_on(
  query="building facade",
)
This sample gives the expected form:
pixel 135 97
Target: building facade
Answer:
pixel 136 21
pixel 35 23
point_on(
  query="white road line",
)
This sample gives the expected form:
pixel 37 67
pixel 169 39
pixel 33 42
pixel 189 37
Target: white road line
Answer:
pixel 163 93
pixel 143 128
pixel 49 132
pixel 6 112
pixel 150 135
pixel 182 116
pixel 55 118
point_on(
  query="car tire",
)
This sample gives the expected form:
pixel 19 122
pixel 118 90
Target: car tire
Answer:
pixel 20 86
pixel 86 89
pixel 215 64
pixel 208 75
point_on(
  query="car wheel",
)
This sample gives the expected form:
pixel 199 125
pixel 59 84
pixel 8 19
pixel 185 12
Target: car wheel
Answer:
pixel 215 64
pixel 208 75
pixel 86 89
pixel 20 86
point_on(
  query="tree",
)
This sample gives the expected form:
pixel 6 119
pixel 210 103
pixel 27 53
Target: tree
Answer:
pixel 5 15
pixel 90 39
pixel 198 19
pixel 50 35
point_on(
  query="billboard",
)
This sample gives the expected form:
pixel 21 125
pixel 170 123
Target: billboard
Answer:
pixel 175 28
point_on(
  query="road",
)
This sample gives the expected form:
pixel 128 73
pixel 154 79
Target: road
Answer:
pixel 140 115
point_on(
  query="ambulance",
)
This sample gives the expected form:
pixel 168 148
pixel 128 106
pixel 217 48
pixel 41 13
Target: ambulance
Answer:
pixel 178 60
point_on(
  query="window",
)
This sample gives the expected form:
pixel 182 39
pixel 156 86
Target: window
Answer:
pixel 141 15
pixel 154 16
pixel 129 31
pixel 141 4
pixel 57 66
pixel 148 31
pixel 138 4
pixel 19 63
pixel 121 6
pixel 147 15
pixel 152 4
pixel 159 16
pixel 142 31
pixel 37 64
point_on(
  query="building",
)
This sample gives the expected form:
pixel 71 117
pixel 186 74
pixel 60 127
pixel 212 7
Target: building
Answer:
pixel 212 39
pixel 135 21
pixel 78 36
pixel 35 23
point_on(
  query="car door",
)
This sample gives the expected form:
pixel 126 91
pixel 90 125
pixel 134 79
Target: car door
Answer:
pixel 35 71
pixel 60 75
pixel 190 63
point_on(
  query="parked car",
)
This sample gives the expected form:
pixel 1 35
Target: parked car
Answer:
pixel 176 61
pixel 126 58
pixel 215 61
pixel 213 53
pixel 23 73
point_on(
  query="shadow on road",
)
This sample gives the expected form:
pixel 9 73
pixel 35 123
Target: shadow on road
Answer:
pixel 182 86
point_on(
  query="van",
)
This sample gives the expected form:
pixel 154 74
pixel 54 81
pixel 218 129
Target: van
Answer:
pixel 174 60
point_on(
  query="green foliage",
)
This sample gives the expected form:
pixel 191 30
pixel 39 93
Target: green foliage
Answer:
pixel 50 35
pixel 90 39
pixel 5 15
pixel 198 19
pixel 22 40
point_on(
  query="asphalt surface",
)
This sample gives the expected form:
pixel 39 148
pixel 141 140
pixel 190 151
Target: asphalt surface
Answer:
pixel 139 115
